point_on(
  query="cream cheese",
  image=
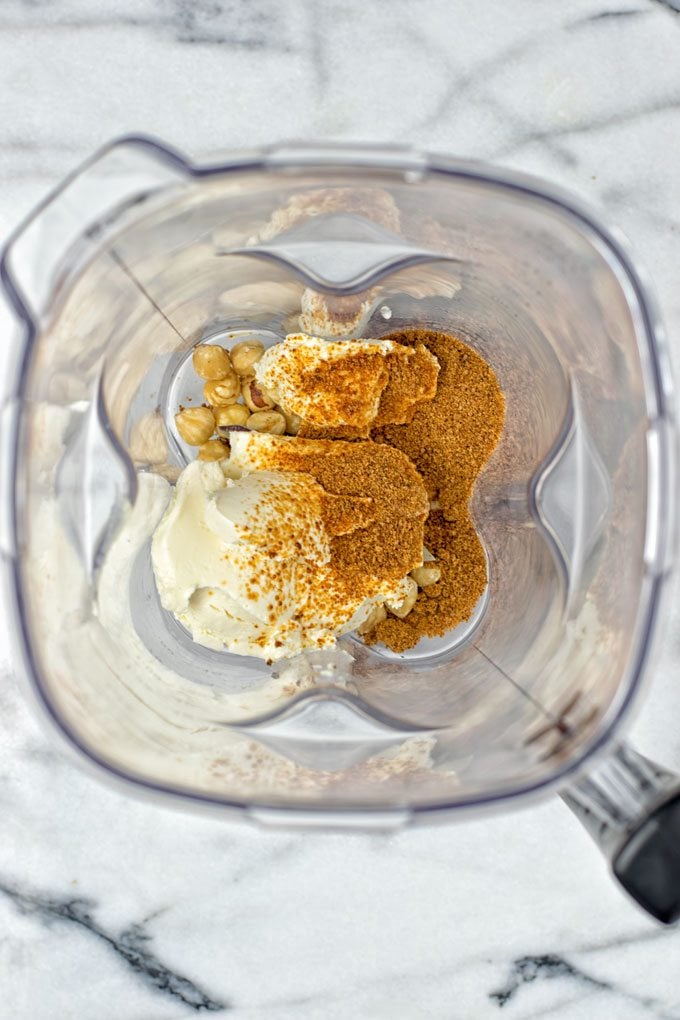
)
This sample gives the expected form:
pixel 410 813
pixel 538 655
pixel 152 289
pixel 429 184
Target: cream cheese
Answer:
pixel 290 371
pixel 245 562
pixel 351 385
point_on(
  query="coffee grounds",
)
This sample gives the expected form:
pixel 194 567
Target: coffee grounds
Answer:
pixel 449 440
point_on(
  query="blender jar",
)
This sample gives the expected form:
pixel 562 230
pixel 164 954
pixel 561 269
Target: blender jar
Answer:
pixel 139 256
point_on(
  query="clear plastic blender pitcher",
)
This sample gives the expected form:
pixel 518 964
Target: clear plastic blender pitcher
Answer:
pixel 139 256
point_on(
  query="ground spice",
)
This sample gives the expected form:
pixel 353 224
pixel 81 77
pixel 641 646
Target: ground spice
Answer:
pixel 348 387
pixel 374 508
pixel 342 389
pixel 449 440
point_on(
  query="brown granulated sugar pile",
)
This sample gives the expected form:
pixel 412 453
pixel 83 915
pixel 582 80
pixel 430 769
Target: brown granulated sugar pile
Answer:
pixel 449 440
pixel 348 389
pixel 374 507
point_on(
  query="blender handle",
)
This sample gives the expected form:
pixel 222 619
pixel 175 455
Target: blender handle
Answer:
pixel 631 808
pixel 121 173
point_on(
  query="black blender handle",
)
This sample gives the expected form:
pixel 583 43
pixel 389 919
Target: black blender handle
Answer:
pixel 631 808
pixel 648 863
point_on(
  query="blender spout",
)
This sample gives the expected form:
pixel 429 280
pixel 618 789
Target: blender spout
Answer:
pixel 340 253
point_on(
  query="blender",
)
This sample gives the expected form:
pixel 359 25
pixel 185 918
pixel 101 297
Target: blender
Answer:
pixel 140 255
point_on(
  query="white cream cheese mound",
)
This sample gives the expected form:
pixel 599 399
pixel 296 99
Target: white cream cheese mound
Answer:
pixel 293 370
pixel 354 385
pixel 243 556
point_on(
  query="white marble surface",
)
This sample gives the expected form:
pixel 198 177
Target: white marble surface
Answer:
pixel 115 909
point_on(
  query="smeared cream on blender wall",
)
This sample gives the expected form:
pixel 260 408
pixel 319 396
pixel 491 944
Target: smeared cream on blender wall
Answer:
pixel 272 551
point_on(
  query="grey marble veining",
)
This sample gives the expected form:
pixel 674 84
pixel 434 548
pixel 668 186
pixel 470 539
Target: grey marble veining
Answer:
pixel 117 909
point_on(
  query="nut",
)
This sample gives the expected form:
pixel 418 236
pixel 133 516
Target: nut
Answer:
pixel 214 449
pixel 211 362
pixel 426 575
pixel 221 392
pixel 267 421
pixel 245 355
pixel 232 414
pixel 255 397
pixel 376 616
pixel 409 601
pixel 293 421
pixel 225 431
pixel 195 424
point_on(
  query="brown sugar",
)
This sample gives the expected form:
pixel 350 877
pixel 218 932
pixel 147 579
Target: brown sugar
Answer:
pixel 349 387
pixel 449 440
pixel 411 381
pixel 388 547
pixel 374 508
pixel 366 389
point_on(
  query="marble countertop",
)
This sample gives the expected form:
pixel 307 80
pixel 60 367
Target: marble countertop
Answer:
pixel 116 909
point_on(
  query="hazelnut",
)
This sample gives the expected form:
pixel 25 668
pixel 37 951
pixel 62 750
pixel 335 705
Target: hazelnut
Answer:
pixel 232 414
pixel 293 421
pixel 267 421
pixel 195 424
pixel 426 575
pixel 221 392
pixel 255 397
pixel 214 449
pixel 376 616
pixel 211 362
pixel 245 355
pixel 409 601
